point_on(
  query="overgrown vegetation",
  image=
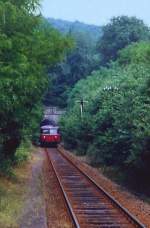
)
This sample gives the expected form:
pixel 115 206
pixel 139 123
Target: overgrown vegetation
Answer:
pixel 28 47
pixel 93 47
pixel 115 127
pixel 119 33
pixel 80 62
pixel 12 194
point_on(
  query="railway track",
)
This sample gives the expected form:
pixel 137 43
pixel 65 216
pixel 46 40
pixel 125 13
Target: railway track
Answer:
pixel 89 205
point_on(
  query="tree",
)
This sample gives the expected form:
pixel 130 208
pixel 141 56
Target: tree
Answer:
pixel 79 63
pixel 27 49
pixel 115 128
pixel 135 53
pixel 119 33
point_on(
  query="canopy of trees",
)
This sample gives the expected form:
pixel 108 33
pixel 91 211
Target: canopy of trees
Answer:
pixel 120 32
pixel 27 49
pixel 80 62
pixel 115 128
pixel 93 47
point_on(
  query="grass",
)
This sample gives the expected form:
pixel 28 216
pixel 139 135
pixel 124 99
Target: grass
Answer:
pixel 12 192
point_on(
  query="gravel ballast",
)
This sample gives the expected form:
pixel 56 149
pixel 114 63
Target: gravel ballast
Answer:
pixel 136 206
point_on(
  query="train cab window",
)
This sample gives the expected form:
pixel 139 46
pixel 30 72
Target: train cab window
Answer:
pixel 53 131
pixel 45 131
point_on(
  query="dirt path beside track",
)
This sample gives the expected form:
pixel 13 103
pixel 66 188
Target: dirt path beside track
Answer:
pixel 34 213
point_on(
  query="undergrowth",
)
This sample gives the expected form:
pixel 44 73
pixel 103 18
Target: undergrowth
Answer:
pixel 13 177
pixel 22 154
pixel 12 191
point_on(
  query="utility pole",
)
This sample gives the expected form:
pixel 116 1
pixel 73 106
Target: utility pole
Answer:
pixel 81 102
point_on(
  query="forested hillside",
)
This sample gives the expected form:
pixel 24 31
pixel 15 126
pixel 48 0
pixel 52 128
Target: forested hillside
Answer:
pixel 99 77
pixel 107 67
pixel 114 129
pixel 92 31
pixel 79 62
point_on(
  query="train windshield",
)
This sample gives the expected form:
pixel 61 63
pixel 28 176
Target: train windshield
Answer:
pixel 51 131
pixel 46 131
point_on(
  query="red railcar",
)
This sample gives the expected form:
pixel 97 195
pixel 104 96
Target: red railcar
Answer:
pixel 49 135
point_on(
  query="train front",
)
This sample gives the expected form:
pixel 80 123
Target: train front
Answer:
pixel 49 136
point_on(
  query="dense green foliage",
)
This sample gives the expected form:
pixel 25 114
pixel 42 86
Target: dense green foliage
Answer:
pixel 27 49
pixel 79 63
pixel 115 128
pixel 93 47
pixel 136 53
pixel 119 33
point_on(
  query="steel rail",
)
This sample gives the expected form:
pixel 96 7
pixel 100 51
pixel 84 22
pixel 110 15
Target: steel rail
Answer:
pixel 131 217
pixel 68 204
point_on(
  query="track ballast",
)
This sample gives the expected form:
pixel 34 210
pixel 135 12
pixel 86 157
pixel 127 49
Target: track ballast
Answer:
pixel 89 205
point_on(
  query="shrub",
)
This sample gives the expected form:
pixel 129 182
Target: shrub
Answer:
pixel 116 116
pixel 23 152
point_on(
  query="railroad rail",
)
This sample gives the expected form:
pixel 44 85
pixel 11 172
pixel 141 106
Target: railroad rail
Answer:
pixel 90 206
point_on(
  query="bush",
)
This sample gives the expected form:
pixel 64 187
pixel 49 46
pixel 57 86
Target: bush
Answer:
pixel 118 34
pixel 28 48
pixel 23 152
pixel 115 128
pixel 6 168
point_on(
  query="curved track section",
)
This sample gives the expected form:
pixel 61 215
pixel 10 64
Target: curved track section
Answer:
pixel 89 205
